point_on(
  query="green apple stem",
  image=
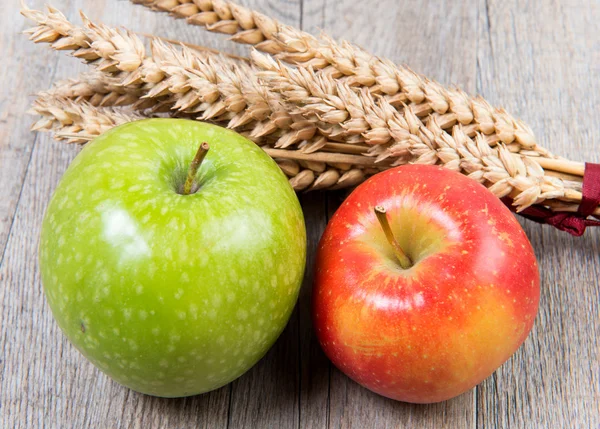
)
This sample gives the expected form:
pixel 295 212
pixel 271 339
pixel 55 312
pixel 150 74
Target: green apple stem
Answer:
pixel 403 259
pixel 194 166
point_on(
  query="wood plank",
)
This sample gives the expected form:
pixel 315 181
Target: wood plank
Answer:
pixel 540 60
pixel 435 39
pixel 314 366
pixel 19 81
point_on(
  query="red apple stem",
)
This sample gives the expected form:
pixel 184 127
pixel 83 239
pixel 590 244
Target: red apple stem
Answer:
pixel 403 259
pixel 194 166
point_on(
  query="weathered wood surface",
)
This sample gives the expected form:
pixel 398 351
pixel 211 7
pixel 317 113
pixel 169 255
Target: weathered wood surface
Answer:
pixel 539 59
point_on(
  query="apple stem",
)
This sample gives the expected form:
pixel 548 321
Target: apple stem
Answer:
pixel 404 260
pixel 194 166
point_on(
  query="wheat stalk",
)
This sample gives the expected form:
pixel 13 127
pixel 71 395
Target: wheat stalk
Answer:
pixel 503 172
pixel 399 85
pixel 80 122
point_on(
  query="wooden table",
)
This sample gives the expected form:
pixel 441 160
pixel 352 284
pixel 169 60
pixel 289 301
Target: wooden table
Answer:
pixel 540 59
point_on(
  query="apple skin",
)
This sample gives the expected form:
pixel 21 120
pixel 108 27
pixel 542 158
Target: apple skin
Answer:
pixel 169 294
pixel 435 330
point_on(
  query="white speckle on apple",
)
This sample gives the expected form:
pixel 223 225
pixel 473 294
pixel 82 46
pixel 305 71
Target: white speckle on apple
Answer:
pixel 127 313
pixel 173 224
pixel 193 311
pixel 155 331
pixel 230 296
pixel 181 315
pixel 217 299
pixel 178 294
pixel 143 314
pixel 184 278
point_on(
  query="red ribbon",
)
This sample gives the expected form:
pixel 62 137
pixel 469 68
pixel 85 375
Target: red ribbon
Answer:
pixel 573 223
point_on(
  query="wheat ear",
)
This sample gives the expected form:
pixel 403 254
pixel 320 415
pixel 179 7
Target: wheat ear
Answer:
pixel 184 80
pixel 399 85
pixel 96 88
pixel 190 81
pixel 80 122
pixel 340 112
pixel 75 121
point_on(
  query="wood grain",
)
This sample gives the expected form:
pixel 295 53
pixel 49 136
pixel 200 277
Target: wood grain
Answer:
pixel 19 80
pixel 540 60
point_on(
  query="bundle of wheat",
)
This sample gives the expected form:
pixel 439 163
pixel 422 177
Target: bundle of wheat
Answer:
pixel 335 117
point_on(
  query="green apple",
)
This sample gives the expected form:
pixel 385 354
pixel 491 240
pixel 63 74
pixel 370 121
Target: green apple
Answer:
pixel 172 294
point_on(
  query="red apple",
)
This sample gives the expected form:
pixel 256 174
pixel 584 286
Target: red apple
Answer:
pixel 431 327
